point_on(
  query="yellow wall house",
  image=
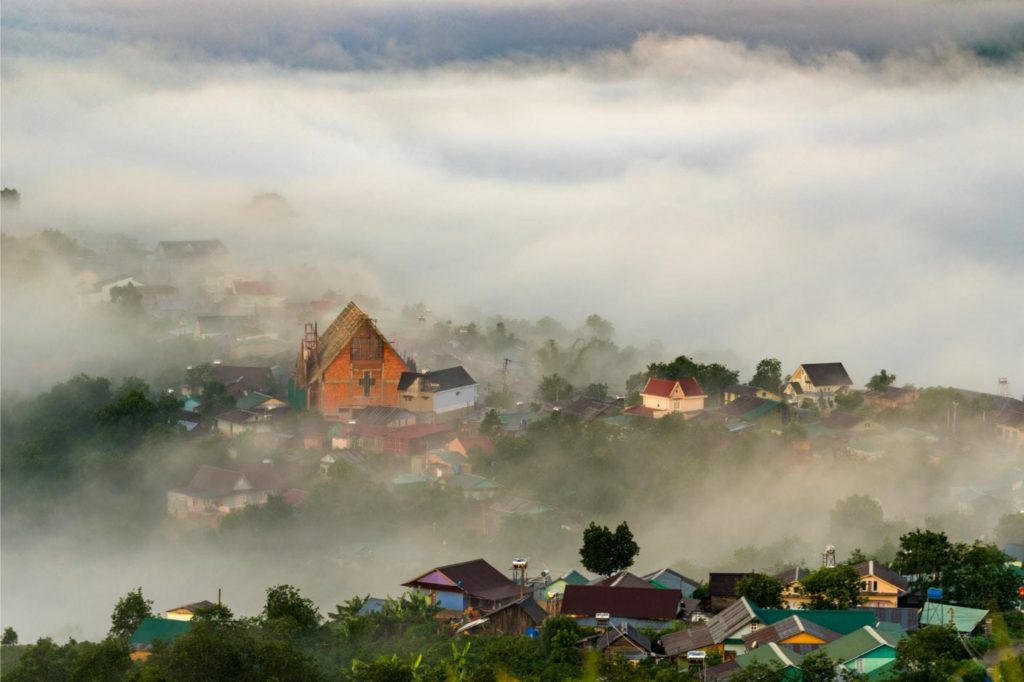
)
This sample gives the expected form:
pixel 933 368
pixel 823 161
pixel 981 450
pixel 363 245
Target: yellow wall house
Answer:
pixel 880 586
pixel 819 382
pixel 669 396
pixel 738 391
pixel 188 611
pixel 791 630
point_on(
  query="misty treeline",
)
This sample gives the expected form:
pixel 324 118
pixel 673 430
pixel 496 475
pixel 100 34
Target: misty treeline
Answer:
pixel 109 453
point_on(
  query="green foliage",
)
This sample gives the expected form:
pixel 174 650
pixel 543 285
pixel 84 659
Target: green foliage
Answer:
pixel 932 653
pixel 712 377
pixel 289 609
pixel 129 613
pixel 75 661
pixel 922 552
pixel 558 639
pixel 975 575
pixel 490 425
pixel 599 328
pixel 979 577
pixel 1010 529
pixel 10 637
pixel 219 651
pixel 596 391
pixel 553 388
pixel 849 400
pixel 606 552
pixel 106 660
pixel 768 375
pixel 760 672
pixel 43 660
pixel 128 298
pixel 384 669
pixel 763 590
pixel 818 667
pixel 832 588
pixel 881 381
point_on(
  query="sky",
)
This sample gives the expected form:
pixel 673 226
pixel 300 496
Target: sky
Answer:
pixel 811 181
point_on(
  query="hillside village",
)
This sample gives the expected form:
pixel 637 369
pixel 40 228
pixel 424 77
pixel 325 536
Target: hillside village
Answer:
pixel 301 398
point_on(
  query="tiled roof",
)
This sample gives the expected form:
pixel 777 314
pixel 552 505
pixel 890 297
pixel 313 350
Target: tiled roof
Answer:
pixel 663 387
pixel 614 634
pixel 445 379
pixel 827 374
pixel 786 628
pixel 196 606
pixel 879 570
pixel 620 602
pixel 724 584
pixel 717 630
pixel 476 578
pixel 623 579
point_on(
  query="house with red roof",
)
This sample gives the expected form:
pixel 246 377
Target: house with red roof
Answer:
pixel 670 396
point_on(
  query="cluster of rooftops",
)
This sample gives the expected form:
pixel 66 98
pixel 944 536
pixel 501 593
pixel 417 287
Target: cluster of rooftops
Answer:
pixel 475 597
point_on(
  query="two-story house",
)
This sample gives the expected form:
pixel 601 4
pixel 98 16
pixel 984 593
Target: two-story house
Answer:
pixel 818 382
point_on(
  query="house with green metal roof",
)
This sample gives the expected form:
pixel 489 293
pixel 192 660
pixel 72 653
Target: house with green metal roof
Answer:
pixel 474 487
pixel 842 621
pixel 866 650
pixel 153 629
pixel 771 654
pixel 964 619
pixel 556 588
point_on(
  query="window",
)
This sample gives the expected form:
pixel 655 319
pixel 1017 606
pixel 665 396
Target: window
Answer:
pixel 860 665
pixel 367 345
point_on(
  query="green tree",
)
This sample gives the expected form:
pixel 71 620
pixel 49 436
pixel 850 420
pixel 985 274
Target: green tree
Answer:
pixel 849 400
pixel 490 425
pixel 881 381
pixel 285 605
pixel 713 377
pixel 929 655
pixel 832 588
pixel 857 520
pixel 817 666
pixel 127 297
pixel 768 375
pixel 926 554
pixel 1010 529
pixel 43 660
pixel 763 590
pixel 599 328
pixel 606 552
pixel 982 578
pixel 129 613
pixel 216 399
pixel 596 391
pixel 559 637
pixel 218 613
pixel 106 660
pixel 553 388
pixel 10 637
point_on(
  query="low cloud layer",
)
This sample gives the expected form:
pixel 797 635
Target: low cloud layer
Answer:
pixel 835 198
